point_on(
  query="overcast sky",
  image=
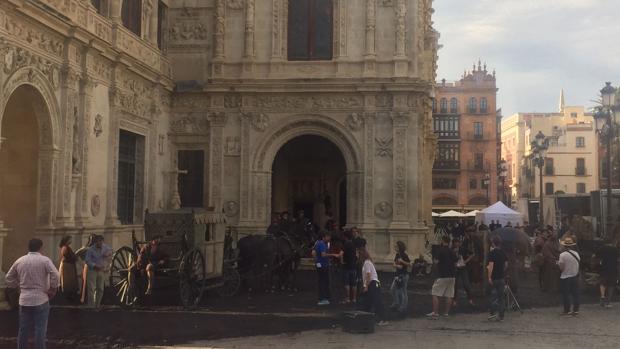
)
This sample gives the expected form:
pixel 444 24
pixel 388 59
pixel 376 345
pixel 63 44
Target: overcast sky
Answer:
pixel 536 46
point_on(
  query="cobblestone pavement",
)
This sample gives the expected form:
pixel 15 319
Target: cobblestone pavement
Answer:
pixel 540 328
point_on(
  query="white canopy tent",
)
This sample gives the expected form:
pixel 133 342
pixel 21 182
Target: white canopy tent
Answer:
pixel 452 214
pixel 435 214
pixel 499 212
pixel 471 213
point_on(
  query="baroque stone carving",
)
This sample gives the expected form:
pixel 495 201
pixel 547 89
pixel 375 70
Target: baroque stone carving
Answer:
pixel 220 27
pixel 98 127
pixel 355 121
pixel 231 209
pixel 232 101
pixel 259 121
pixel 383 210
pixel 401 13
pixel 189 124
pixel 233 146
pixel 235 4
pixel 383 147
pixel 187 31
pixel 387 3
pixel 95 205
pixel 14 58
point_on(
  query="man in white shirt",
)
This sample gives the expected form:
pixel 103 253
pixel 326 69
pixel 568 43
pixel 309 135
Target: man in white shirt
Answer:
pixel 37 279
pixel 569 279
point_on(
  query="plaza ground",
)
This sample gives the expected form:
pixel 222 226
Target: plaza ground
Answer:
pixel 540 328
pixel 161 322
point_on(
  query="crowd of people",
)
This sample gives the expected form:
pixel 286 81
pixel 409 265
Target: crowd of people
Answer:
pixel 461 259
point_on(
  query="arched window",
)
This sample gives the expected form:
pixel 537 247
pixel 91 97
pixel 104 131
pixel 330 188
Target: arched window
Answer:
pixel 131 15
pixel 454 106
pixel 443 106
pixel 472 105
pixel 310 30
pixel 484 105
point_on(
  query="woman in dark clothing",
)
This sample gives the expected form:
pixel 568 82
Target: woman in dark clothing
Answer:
pixel 68 273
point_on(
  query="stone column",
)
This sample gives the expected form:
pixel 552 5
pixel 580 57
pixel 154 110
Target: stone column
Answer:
pixel 369 151
pixel 219 38
pixel 4 305
pixel 370 54
pixel 116 7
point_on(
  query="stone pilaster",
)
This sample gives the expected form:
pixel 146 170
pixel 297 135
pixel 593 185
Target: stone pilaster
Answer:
pixel 369 150
pixel 111 217
pixel 4 305
pixel 401 65
pixel 400 159
pixel 216 157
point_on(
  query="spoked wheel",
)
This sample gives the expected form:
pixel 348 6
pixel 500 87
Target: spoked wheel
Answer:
pixel 192 278
pixel 231 281
pixel 123 277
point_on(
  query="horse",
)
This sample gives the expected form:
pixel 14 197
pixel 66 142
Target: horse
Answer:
pixel 261 257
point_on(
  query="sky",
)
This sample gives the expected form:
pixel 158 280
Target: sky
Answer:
pixel 537 47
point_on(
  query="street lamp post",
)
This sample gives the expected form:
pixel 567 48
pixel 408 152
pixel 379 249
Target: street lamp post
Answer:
pixel 606 128
pixel 487 182
pixel 539 147
pixel 502 172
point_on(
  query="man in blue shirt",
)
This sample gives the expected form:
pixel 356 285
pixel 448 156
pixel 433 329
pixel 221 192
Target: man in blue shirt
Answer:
pixel 321 261
pixel 97 260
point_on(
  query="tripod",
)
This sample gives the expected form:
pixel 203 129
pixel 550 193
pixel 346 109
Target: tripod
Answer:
pixel 511 300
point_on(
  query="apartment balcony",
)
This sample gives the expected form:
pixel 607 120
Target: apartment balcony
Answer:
pixel 472 166
pixel 580 171
pixel 447 165
pixel 479 137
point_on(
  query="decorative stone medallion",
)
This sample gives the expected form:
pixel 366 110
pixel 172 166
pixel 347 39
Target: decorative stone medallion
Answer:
pixel 355 121
pixel 231 209
pixel 383 210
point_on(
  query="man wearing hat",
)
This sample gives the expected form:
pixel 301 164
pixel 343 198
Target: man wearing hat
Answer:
pixel 569 278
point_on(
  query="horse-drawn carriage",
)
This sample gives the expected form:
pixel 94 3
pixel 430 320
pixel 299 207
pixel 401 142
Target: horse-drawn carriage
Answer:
pixel 199 258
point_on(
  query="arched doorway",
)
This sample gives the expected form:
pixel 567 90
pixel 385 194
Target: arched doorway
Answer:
pixel 19 172
pixel 309 174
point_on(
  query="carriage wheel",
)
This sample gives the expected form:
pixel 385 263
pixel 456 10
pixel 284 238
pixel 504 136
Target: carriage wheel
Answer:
pixel 192 278
pixel 123 277
pixel 231 281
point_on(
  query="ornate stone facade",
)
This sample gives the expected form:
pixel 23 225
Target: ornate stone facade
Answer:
pixel 222 84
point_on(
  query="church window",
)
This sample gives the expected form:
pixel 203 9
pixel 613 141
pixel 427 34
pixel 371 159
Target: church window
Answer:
pixel 130 177
pixel 310 30
pixel 131 16
pixel 191 184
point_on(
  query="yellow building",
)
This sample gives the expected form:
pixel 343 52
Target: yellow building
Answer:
pixel 571 164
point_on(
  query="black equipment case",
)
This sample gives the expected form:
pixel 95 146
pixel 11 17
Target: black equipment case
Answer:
pixel 358 322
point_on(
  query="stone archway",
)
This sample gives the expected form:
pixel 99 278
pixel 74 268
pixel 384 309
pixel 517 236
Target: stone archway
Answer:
pixel 28 157
pixel 305 125
pixel 307 175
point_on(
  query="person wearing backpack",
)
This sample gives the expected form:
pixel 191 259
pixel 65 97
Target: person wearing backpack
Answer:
pixel 569 279
pixel 496 270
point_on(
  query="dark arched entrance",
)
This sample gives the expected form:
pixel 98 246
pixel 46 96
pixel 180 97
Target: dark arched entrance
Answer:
pixel 309 174
pixel 19 156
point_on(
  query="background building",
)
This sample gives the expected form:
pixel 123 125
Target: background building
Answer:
pixel 571 163
pixel 252 107
pixel 466 124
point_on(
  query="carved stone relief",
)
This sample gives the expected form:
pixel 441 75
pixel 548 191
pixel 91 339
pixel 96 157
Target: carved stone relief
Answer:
pixel 383 210
pixel 98 127
pixel 383 147
pixel 14 58
pixel 259 121
pixel 232 146
pixel 355 121
pixel 188 31
pixel 189 124
pixel 95 205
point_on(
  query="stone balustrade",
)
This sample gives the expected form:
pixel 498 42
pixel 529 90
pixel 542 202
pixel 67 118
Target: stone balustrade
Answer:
pixel 111 31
